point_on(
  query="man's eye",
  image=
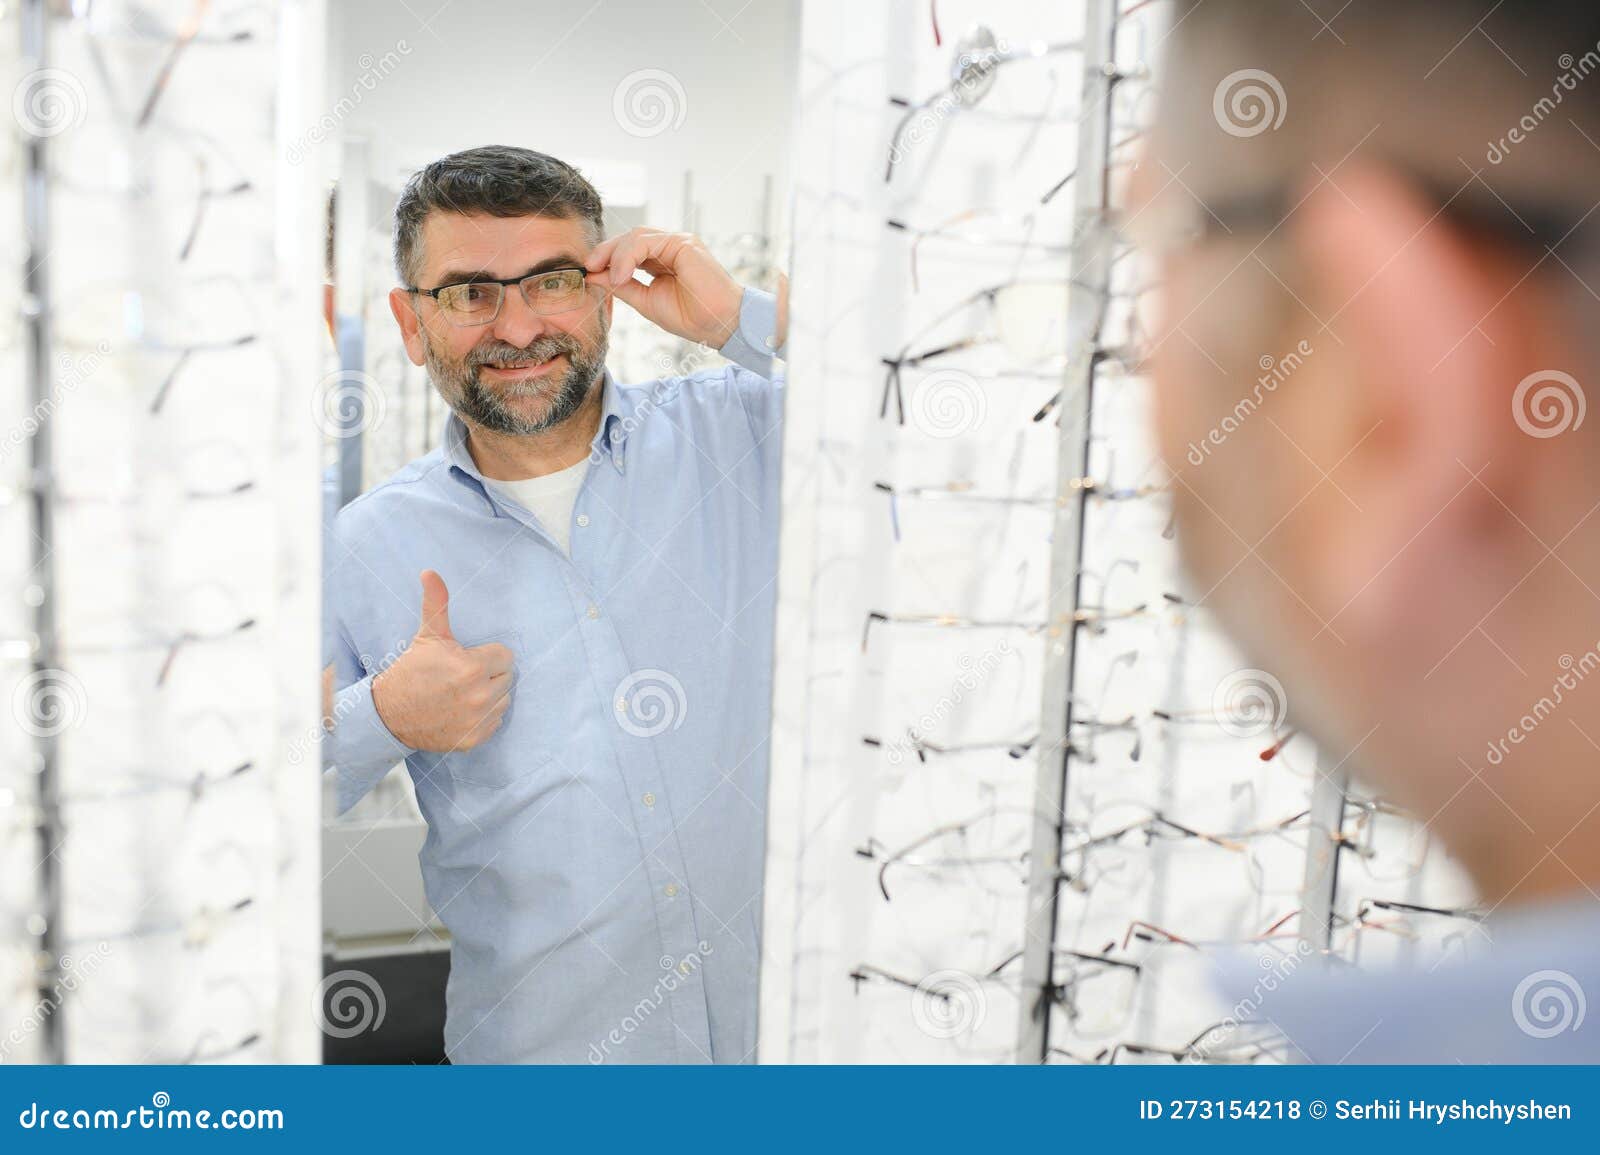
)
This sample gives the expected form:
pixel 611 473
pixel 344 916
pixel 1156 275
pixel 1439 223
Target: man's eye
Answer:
pixel 475 294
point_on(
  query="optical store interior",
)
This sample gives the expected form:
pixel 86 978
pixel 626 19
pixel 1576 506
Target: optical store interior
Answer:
pixel 798 532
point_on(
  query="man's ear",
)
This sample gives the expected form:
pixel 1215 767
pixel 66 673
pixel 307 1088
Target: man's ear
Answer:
pixel 406 316
pixel 1428 335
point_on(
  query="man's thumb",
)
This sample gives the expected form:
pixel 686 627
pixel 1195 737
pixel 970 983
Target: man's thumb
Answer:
pixel 435 607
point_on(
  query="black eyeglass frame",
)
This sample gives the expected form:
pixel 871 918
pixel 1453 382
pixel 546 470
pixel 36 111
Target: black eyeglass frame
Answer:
pixel 504 283
pixel 1538 225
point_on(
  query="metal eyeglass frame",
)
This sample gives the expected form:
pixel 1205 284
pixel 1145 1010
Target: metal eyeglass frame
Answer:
pixel 503 285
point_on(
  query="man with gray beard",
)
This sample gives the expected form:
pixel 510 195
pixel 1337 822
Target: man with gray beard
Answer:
pixel 561 620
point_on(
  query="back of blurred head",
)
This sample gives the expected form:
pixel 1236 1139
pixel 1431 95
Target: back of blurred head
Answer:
pixel 1378 235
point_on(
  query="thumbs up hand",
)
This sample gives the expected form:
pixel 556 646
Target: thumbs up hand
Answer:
pixel 440 695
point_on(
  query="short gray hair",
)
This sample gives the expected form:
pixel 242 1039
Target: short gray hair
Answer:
pixel 499 180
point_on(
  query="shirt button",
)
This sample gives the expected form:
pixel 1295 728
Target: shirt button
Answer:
pixel 649 799
pixel 622 705
pixel 771 342
pixel 594 610
pixel 672 890
pixel 583 520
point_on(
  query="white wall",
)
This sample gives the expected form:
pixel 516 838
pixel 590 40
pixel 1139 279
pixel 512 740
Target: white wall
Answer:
pixel 549 75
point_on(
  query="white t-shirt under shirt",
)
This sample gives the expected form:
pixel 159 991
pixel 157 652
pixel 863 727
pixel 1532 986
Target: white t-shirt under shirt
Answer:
pixel 550 499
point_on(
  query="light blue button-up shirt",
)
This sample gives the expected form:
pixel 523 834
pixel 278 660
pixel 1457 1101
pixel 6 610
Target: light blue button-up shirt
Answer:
pixel 598 861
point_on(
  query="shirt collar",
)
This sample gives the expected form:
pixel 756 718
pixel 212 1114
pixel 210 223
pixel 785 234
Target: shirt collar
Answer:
pixel 610 440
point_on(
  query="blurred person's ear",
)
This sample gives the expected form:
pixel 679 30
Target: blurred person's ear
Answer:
pixel 1430 329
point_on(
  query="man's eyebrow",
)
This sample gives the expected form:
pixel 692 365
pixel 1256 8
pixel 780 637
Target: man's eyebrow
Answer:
pixel 559 261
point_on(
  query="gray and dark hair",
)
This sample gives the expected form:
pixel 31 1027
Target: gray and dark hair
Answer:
pixel 499 180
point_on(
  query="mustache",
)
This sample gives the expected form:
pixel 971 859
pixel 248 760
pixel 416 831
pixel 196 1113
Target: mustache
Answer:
pixel 544 348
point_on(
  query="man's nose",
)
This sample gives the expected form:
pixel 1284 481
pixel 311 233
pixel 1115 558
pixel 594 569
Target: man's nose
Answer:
pixel 517 324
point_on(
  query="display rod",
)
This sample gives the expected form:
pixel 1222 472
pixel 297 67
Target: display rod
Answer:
pixel 1321 887
pixel 1090 280
pixel 350 289
pixel 41 592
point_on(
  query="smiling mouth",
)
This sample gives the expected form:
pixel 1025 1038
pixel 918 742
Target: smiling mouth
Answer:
pixel 523 367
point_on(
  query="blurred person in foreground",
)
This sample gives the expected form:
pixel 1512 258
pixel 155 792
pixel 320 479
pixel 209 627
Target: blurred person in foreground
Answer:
pixel 1405 530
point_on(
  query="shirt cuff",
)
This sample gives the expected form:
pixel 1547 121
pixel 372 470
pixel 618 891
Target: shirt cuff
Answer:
pixel 363 750
pixel 754 343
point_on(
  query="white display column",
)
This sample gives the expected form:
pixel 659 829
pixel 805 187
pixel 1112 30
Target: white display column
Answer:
pixel 164 666
pixel 914 584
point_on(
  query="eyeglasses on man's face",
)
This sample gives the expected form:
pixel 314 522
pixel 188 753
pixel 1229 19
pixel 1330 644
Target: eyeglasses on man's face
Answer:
pixel 478 301
pixel 1171 221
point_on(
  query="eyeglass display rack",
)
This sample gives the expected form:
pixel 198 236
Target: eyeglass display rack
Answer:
pixel 45 922
pixel 156 822
pixel 1090 266
pixel 926 331
pixel 1040 769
